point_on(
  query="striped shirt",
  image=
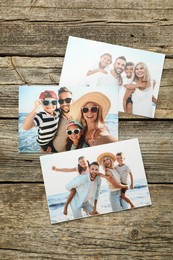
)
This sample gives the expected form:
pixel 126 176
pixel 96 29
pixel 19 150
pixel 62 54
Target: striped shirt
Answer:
pixel 47 126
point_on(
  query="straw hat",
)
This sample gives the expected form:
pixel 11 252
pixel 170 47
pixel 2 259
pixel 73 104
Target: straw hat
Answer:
pixel 107 154
pixel 95 97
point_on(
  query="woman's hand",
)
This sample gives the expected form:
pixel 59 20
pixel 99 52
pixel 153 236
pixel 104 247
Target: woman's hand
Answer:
pixel 53 168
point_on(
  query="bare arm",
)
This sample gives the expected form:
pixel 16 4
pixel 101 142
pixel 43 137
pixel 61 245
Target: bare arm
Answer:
pixel 91 72
pixel 63 169
pixel 29 121
pixel 110 178
pixel 141 85
pixel 131 180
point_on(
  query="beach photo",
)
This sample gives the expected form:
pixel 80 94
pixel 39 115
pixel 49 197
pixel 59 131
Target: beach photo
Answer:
pixel 96 180
pixel 135 73
pixel 55 119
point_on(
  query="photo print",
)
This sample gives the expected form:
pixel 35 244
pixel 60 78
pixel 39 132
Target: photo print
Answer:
pixel 96 180
pixel 56 119
pixel 136 73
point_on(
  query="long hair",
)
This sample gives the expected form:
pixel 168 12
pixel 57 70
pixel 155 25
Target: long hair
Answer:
pixel 147 76
pixel 69 143
pixel 112 162
pixel 100 120
pixel 80 168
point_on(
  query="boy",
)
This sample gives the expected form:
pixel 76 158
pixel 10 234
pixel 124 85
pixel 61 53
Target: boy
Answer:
pixel 102 66
pixel 124 171
pixel 129 71
pixel 46 121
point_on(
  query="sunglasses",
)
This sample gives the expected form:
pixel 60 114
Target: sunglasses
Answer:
pixel 47 102
pixel 92 109
pixel 66 100
pixel 75 131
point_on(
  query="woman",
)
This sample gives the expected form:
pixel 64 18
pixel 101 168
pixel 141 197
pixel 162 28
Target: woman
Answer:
pixel 106 160
pixel 76 138
pixel 91 110
pixel 142 91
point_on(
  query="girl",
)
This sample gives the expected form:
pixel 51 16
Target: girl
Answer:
pixel 76 137
pixel 82 168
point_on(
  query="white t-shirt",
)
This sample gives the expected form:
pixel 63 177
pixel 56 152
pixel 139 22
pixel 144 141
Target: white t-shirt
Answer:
pixel 122 91
pixel 124 171
pixel 101 79
pixel 91 190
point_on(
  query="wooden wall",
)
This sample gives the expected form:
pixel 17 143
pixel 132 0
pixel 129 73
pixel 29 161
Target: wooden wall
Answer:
pixel 33 38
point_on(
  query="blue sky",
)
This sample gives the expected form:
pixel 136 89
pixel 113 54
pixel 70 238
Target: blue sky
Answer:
pixel 82 53
pixel 28 95
pixel 55 181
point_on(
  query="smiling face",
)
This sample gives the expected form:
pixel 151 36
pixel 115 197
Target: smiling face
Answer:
pixel 74 137
pixel 120 159
pixel 90 116
pixel 94 171
pixel 140 71
pixel 129 71
pixel 105 60
pixel 107 162
pixel 65 107
pixel 50 108
pixel 119 66
pixel 83 162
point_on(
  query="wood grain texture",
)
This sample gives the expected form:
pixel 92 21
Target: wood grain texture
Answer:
pixel 33 41
pixel 25 228
pixel 15 71
pixel 155 138
pixel 50 39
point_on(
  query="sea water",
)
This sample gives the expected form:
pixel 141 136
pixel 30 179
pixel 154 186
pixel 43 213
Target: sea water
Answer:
pixel 139 196
pixel 27 138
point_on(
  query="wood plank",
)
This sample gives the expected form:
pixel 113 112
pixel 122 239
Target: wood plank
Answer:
pixel 9 109
pixel 47 70
pixel 74 4
pixel 143 233
pixel 50 39
pixel 28 70
pixel 59 13
pixel 155 139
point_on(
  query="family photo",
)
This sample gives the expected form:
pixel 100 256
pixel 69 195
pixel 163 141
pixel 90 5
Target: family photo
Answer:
pixel 92 181
pixel 55 119
pixel 135 73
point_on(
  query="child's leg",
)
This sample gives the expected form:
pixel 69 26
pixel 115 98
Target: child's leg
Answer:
pixel 70 197
pixel 129 105
pixel 129 108
pixel 123 196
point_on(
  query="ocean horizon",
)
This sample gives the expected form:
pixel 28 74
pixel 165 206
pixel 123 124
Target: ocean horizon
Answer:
pixel 140 197
pixel 27 142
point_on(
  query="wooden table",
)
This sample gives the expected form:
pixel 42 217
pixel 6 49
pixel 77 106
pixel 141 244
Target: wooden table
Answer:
pixel 33 38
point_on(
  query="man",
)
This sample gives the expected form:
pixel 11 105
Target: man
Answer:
pixel 113 78
pixel 65 100
pixel 87 191
pixel 119 67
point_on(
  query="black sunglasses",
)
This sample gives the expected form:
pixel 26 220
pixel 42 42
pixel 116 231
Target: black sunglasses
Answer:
pixel 75 131
pixel 92 109
pixel 47 102
pixel 66 100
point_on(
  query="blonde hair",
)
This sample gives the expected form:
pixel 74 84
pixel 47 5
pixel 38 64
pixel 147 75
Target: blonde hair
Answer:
pixel 100 119
pixel 147 77
pixel 102 164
